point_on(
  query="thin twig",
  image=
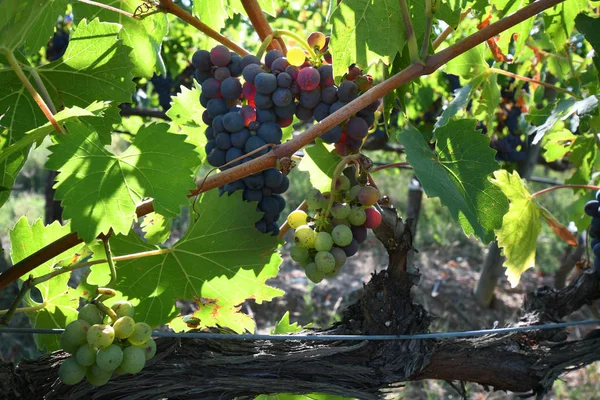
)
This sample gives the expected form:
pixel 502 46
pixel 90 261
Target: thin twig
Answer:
pixel 550 189
pixel 27 309
pixel 440 39
pixel 107 7
pixel 538 82
pixel 394 165
pixel 109 260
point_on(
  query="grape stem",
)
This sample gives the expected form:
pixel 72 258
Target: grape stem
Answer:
pixel 263 46
pixel 109 259
pixel 394 165
pixel 106 310
pixel 353 158
pixel 550 189
pixel 413 49
pixel 537 82
pixel 107 7
pixel 285 227
pixel 429 10
pixel 27 309
pixel 301 41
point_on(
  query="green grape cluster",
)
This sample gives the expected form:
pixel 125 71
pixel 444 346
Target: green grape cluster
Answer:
pixel 99 349
pixel 323 241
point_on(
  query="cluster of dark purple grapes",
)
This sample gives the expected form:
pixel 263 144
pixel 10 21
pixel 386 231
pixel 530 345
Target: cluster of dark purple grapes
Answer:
pixel 237 133
pixel 592 208
pixel 510 148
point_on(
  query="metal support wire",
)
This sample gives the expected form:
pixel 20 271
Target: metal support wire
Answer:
pixel 330 338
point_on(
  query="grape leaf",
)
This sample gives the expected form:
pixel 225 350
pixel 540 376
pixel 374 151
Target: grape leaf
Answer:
pixel 95 67
pixel 589 27
pixel 520 226
pixel 186 115
pixel 365 32
pixel 156 228
pixel 267 6
pixel 220 262
pixel 449 12
pixel 28 23
pixel 559 21
pixel 211 12
pixel 320 161
pixel 283 326
pixel 557 144
pixel 61 301
pixel 520 32
pixel 461 98
pixel 100 190
pixel 583 156
pixel 458 174
pixel 143 36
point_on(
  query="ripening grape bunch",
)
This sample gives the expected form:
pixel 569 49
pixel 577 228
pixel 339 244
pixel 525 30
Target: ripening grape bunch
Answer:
pixel 248 101
pixel 100 350
pixel 592 208
pixel 323 241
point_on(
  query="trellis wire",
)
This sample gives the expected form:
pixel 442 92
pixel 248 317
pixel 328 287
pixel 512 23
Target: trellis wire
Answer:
pixel 332 338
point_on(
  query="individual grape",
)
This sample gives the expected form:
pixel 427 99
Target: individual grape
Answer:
pixel 339 255
pixel 149 348
pixel 124 327
pixel 109 358
pixel 217 125
pixel 364 82
pixel 265 115
pixel 231 89
pixel 86 355
pixel 594 230
pixel 97 376
pixel 284 80
pixel 70 372
pixel 201 61
pixel 353 72
pixel 357 128
pixel 326 72
pixel 359 233
pixel 296 56
pixel 235 65
pixel 347 91
pixel 299 254
pixel 269 206
pixel 234 186
pixel 234 154
pixel 351 249
pixel 368 195
pixel 323 241
pixel 141 333
pixel 255 182
pixel 273 228
pixel 249 59
pixel 310 98
pixel 271 56
pixel 100 335
pixel 353 192
pixel 333 135
pixel 373 218
pixel 217 107
pixel 250 72
pixel 74 335
pixel 201 77
pixel 313 273
pixel 336 106
pixel 261 226
pixel 308 78
pixel 134 359
pixel 252 195
pixel 325 261
pixel 239 139
pixel 263 101
pixel 296 219
pixel 305 237
pixel 220 56
pixel 342 235
pixel 216 157
pixel 357 216
pixel 210 133
pixel 591 208
pixel 321 111
pixel 342 183
pixel 265 83
pixel 223 141
pixel 303 113
pixel 282 97
pixel 280 201
pixel 316 39
pixel 233 122
pixel 270 132
pixel 340 211
pixel 211 88
pixel 248 92
pixel 285 185
pixel 221 73
pixel 596 250
pixel 314 199
pixel 273 177
pixel 285 113
pixel 255 143
pixel 293 71
pixel 249 114
pixel 279 65
pixel 329 95
pixel 91 314
pixel 210 145
pixel 123 308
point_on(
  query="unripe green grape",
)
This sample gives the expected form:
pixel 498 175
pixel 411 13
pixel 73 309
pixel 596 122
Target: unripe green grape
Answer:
pixel 134 360
pixel 368 196
pixel 334 272
pixel 296 219
pixel 86 355
pixel 323 241
pixel 353 192
pixel 342 235
pixel 313 273
pixel 124 327
pixel 305 237
pixel 149 348
pixel 109 358
pixel 141 333
pixel 325 261
pixel 339 255
pixel 123 308
pixel 70 372
pixel 74 335
pixel 299 254
pixel 314 199
pixel 97 376
pixel 340 211
pixel 100 336
pixel 336 222
pixel 91 314
pixel 357 216
pixel 342 183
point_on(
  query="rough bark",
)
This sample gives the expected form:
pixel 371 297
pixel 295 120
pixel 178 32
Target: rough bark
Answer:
pixel 525 362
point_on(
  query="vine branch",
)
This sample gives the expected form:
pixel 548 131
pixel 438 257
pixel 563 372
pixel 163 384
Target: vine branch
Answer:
pixel 261 25
pixel 288 148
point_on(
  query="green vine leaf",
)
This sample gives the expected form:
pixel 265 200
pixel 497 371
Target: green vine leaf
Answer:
pixel 143 36
pixel 100 190
pixel 557 144
pixel 458 174
pixel 583 156
pixel 186 116
pixel 156 228
pixel 559 21
pixel 320 161
pixel 283 326
pixel 220 262
pixel 588 26
pixel 213 13
pixel 62 301
pixel 28 23
pixel 520 32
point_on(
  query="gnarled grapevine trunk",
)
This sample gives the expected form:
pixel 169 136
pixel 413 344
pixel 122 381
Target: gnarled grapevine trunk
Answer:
pixel 526 362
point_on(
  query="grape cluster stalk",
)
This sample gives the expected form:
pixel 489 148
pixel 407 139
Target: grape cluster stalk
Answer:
pixel 101 349
pixel 248 101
